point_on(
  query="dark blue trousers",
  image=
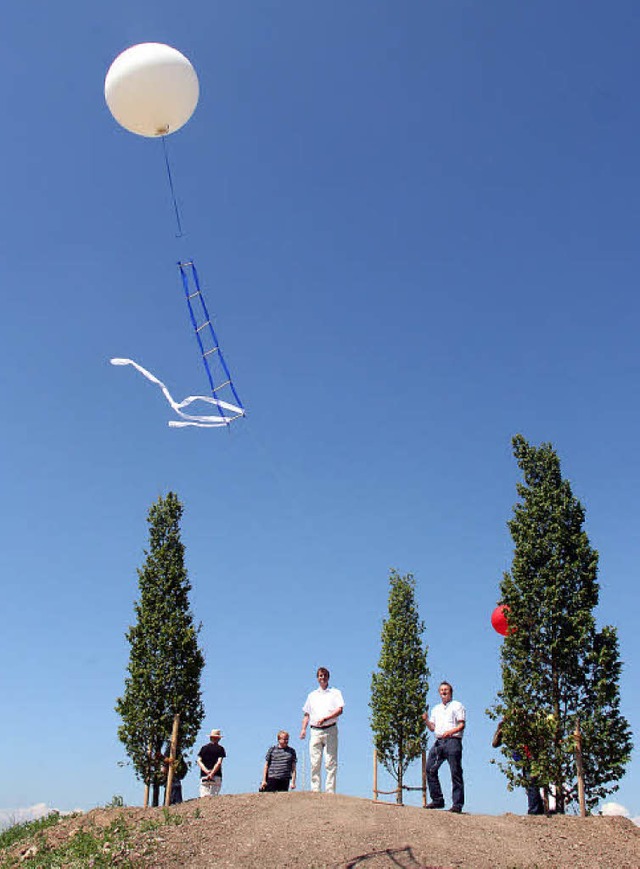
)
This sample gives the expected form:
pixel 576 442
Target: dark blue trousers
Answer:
pixel 451 751
pixel 534 800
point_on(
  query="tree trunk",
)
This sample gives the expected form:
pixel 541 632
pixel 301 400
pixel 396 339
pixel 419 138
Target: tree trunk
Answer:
pixel 375 773
pixel 424 779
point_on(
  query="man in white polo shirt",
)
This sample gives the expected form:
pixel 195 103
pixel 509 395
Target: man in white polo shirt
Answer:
pixel 447 721
pixel 321 712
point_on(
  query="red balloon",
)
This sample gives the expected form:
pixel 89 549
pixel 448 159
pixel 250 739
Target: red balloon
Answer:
pixel 499 619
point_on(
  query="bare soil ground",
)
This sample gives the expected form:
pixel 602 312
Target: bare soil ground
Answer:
pixel 310 831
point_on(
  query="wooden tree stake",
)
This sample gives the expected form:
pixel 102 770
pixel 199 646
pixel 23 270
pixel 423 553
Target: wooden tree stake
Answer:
pixel 580 769
pixel 173 751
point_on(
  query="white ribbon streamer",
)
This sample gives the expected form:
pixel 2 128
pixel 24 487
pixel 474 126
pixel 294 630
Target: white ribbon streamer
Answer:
pixel 188 419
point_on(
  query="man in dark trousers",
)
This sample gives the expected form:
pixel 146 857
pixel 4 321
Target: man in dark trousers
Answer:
pixel 535 806
pixel 447 721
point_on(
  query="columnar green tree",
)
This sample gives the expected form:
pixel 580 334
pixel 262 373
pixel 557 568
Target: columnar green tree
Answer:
pixel 399 688
pixel 557 668
pixel 165 661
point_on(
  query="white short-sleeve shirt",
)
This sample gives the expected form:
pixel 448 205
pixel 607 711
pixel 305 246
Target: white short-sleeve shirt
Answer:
pixel 320 703
pixel 447 717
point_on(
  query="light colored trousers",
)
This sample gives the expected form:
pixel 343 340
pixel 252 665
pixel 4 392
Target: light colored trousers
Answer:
pixel 327 741
pixel 211 787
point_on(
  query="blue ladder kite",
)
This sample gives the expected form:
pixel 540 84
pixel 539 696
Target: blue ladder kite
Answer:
pixel 216 368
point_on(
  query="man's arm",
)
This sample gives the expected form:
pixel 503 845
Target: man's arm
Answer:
pixel 305 724
pixel 452 732
pixel 209 773
pixel 425 717
pixel 460 722
pixel 264 774
pixel 333 714
pixel 293 775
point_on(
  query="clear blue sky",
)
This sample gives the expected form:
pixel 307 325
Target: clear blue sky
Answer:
pixel 417 225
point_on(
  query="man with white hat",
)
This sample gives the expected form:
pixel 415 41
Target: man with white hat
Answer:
pixel 209 760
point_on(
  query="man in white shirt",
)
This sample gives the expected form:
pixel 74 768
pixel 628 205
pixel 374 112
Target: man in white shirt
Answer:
pixel 447 721
pixel 321 712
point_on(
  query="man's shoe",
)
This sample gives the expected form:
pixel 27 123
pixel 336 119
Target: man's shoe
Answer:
pixel 434 806
pixel 456 809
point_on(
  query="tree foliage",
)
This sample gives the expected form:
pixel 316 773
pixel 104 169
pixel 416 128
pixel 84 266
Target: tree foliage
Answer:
pixel 557 668
pixel 165 661
pixel 399 688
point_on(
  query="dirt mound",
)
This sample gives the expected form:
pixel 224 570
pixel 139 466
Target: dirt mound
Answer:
pixel 320 830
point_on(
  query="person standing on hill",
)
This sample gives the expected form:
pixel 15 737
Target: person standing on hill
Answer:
pixel 535 805
pixel 447 721
pixel 321 712
pixel 280 766
pixel 179 772
pixel 209 760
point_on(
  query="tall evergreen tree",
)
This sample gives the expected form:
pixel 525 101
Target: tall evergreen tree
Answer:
pixel 557 668
pixel 165 661
pixel 399 689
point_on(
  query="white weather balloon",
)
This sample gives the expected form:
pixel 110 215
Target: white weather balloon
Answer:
pixel 151 89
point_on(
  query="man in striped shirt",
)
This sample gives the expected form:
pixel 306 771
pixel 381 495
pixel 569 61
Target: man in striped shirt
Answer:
pixel 280 766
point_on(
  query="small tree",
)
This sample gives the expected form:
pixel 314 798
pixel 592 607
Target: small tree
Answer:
pixel 557 669
pixel 399 689
pixel 165 662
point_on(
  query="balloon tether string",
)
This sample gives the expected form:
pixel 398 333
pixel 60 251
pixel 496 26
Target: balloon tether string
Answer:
pixel 173 194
